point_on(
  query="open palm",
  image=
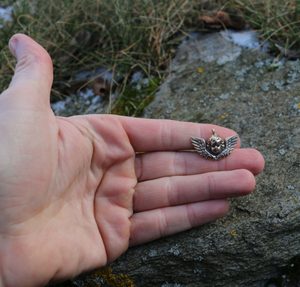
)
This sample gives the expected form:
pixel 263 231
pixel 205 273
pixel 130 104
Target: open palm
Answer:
pixel 76 192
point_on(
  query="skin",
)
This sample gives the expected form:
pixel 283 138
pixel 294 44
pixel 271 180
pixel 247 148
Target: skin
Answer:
pixel 76 192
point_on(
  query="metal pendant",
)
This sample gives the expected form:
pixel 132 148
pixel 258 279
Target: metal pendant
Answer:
pixel 215 147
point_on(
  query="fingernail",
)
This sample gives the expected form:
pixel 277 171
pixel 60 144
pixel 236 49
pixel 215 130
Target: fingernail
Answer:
pixel 13 43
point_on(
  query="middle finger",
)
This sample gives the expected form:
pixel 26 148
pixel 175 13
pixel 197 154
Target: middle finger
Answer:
pixel 161 164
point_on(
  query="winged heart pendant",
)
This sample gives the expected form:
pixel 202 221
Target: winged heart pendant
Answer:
pixel 215 147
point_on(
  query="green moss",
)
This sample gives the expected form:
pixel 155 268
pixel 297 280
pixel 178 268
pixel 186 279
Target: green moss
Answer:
pixel 112 279
pixel 104 277
pixel 132 101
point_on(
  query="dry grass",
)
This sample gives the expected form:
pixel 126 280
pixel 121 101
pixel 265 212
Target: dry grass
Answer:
pixel 126 35
pixel 277 21
pixel 89 34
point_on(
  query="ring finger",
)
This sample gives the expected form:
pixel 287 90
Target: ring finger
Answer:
pixel 178 190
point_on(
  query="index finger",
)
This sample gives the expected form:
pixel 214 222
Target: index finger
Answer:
pixel 162 135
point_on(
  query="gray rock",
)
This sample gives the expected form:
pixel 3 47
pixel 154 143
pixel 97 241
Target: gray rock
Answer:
pixel 262 232
pixel 224 51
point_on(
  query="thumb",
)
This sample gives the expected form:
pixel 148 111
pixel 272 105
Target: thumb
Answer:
pixel 32 81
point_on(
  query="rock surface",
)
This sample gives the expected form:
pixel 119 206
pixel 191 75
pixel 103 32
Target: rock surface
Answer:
pixel 213 80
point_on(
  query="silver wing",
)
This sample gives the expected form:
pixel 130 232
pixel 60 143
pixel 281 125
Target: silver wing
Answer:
pixel 200 146
pixel 229 146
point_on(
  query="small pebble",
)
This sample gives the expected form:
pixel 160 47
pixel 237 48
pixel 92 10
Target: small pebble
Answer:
pixel 282 151
pixel 224 96
pixel 6 13
pixel 265 87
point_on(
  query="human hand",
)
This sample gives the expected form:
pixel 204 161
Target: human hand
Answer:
pixel 76 192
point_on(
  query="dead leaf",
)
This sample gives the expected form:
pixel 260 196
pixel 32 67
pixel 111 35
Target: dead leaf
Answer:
pixel 101 87
pixel 222 19
pixel 288 53
pixel 81 38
